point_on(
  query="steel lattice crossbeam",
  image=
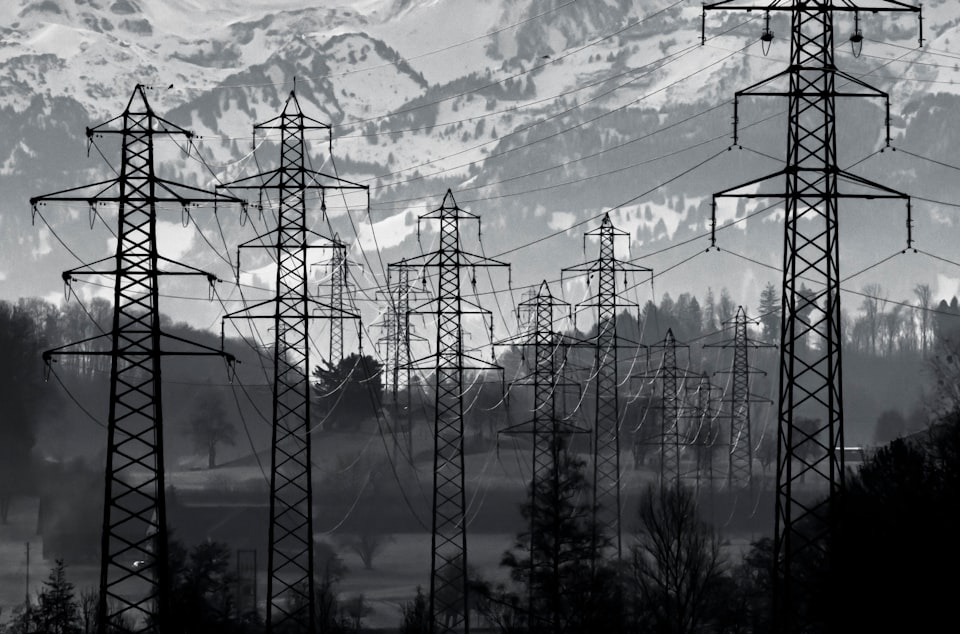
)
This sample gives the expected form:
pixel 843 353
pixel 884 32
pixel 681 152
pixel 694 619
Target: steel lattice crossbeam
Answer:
pixel 290 561
pixel 606 445
pixel 449 605
pixel 134 579
pixel 810 430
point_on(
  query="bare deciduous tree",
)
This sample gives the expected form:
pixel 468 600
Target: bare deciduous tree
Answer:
pixel 677 565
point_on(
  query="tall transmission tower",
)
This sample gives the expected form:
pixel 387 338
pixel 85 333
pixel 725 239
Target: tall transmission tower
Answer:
pixel 606 437
pixel 810 363
pixel 134 576
pixel 449 605
pixel 290 561
pixel 740 448
pixel 395 344
pixel 548 434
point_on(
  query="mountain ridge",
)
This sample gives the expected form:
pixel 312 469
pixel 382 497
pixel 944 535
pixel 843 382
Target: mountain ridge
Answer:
pixel 582 80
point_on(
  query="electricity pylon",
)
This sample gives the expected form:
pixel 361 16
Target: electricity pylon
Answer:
pixel 810 363
pixel 606 436
pixel 290 561
pixel 449 605
pixel 672 385
pixel 549 435
pixel 134 577
pixel 740 449
pixel 703 432
pixel 395 344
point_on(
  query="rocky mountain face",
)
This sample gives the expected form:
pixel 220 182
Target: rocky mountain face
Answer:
pixel 565 110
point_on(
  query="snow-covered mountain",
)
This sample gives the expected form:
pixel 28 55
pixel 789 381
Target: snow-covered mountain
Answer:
pixel 538 115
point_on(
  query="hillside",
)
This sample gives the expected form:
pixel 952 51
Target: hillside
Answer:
pixel 539 116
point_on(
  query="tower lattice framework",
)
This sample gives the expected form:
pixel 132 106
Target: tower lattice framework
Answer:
pixel 740 447
pixel 134 576
pixel 395 344
pixel 810 429
pixel 290 559
pixel 606 436
pixel 449 604
pixel 703 431
pixel 338 286
pixel 672 438
pixel 548 434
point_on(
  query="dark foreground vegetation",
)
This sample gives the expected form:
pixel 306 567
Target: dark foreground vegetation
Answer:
pixel 885 569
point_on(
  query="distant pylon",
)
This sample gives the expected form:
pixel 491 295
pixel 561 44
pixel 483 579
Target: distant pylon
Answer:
pixel 703 431
pixel 338 286
pixel 395 345
pixel 548 435
pixel 810 359
pixel 606 437
pixel 134 576
pixel 740 449
pixel 290 558
pixel 449 605
pixel 673 380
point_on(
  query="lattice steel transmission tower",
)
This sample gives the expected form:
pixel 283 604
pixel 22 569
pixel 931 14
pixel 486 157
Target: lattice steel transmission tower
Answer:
pixel 673 382
pixel 548 435
pixel 134 579
pixel 290 560
pixel 810 363
pixel 703 430
pixel 449 606
pixel 740 448
pixel 396 341
pixel 606 436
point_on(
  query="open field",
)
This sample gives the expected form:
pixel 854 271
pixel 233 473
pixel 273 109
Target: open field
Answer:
pixel 229 504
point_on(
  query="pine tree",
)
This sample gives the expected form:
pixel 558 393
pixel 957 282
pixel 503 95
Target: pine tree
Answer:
pixel 416 615
pixel 57 612
pixel 709 312
pixel 726 307
pixel 566 592
pixel 770 313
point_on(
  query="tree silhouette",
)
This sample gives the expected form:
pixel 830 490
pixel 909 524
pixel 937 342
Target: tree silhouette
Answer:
pixel 415 615
pixel 565 593
pixel 348 392
pixel 210 426
pixel 677 566
pixel 891 424
pixel 23 398
pixel 57 611
pixel 770 310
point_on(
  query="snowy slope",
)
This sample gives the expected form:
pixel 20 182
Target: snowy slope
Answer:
pixel 540 115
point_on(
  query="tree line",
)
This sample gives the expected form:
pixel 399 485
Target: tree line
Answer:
pixel 881 568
